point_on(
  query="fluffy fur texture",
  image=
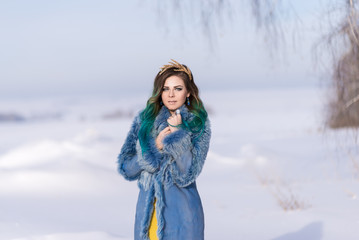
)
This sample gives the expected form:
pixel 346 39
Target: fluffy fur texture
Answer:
pixel 128 150
pixel 158 171
pixel 199 151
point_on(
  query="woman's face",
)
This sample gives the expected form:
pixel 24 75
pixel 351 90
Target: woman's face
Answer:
pixel 174 93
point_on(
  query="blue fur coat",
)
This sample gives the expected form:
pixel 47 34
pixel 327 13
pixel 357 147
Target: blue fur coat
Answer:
pixel 169 176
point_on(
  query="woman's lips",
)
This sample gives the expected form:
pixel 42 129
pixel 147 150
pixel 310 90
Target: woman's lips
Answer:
pixel 172 102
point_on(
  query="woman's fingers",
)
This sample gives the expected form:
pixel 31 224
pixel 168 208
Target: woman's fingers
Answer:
pixel 161 136
pixel 165 131
pixel 175 119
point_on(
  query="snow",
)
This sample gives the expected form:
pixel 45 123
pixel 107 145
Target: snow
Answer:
pixel 78 236
pixel 272 172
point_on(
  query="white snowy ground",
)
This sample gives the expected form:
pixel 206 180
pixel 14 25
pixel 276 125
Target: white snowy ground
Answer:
pixel 58 176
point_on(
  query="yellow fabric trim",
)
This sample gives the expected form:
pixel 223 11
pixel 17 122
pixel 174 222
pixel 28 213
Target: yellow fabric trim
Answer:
pixel 153 224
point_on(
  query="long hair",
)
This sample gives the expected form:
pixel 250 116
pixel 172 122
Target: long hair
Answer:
pixel 148 115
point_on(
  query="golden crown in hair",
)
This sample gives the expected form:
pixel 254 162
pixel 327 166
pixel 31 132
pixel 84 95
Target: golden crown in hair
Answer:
pixel 178 68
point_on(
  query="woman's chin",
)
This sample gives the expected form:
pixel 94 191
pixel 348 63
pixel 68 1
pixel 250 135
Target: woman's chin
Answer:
pixel 173 107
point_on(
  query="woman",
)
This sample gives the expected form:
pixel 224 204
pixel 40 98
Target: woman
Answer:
pixel 165 151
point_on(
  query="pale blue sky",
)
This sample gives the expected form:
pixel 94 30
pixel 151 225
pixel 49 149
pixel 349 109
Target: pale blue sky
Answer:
pixel 114 47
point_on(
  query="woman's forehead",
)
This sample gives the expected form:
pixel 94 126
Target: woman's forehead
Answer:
pixel 174 81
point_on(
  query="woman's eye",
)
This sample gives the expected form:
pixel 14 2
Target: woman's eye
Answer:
pixel 164 89
pixel 178 89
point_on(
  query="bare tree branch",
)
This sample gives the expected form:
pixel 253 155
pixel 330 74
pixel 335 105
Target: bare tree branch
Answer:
pixel 342 42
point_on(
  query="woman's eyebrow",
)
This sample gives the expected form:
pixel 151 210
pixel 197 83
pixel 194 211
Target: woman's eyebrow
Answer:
pixel 174 86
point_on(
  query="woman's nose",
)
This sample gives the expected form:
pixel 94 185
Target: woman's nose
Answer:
pixel 171 93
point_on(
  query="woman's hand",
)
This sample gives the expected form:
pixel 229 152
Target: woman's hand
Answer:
pixel 174 120
pixel 161 136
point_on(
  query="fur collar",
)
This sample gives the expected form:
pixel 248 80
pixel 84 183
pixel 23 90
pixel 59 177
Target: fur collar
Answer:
pixel 161 120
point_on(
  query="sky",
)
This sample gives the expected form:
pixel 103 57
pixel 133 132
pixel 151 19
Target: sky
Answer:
pixel 93 47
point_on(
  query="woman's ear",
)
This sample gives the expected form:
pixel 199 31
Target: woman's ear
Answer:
pixel 188 94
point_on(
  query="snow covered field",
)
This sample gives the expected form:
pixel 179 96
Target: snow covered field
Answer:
pixel 269 152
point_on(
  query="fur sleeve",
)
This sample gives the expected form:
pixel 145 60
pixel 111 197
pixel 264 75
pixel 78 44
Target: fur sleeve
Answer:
pixel 127 159
pixel 131 160
pixel 182 141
